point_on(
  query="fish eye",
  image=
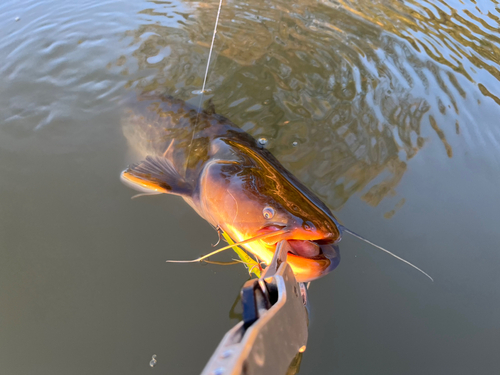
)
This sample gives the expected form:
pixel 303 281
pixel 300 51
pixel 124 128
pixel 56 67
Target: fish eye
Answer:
pixel 268 212
pixel 309 226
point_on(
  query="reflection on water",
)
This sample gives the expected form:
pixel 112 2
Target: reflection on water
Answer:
pixel 341 90
pixel 153 361
pixel 394 101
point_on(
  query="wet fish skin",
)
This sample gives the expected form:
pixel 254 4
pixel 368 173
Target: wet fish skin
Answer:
pixel 229 179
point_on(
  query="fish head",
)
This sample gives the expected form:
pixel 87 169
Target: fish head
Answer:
pixel 311 231
pixel 248 202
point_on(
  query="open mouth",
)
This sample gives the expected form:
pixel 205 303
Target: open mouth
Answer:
pixel 304 248
pixel 312 249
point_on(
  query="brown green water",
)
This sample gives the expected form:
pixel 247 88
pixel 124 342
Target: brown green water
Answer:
pixel 388 110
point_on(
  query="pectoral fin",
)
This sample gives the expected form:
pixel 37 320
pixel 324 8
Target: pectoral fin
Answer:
pixel 156 174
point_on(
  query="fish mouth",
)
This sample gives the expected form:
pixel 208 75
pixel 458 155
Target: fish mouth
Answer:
pixel 311 255
pixel 305 248
pixel 316 249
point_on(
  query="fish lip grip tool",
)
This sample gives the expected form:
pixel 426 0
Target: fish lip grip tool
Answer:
pixel 273 332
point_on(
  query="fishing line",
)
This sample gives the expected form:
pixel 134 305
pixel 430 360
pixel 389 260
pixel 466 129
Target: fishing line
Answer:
pixel 202 91
pixel 344 229
pixel 211 47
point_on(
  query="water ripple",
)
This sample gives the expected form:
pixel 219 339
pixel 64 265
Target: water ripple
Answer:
pixel 48 50
pixel 346 92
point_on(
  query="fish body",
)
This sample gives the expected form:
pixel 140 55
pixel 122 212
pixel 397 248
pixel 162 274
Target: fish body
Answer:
pixel 231 181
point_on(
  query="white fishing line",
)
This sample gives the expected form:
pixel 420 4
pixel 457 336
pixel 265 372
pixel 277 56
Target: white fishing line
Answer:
pixel 202 91
pixel 211 47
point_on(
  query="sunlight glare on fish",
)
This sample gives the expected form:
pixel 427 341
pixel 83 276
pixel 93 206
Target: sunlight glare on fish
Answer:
pixel 259 237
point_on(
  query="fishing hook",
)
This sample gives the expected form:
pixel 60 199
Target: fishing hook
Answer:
pixel 219 232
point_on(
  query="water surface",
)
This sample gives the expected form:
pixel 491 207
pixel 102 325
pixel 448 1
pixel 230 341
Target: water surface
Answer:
pixel 388 110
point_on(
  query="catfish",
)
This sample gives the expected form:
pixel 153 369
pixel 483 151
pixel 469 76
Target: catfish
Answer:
pixel 231 181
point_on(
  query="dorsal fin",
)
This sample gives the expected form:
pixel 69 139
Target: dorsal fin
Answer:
pixel 156 174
